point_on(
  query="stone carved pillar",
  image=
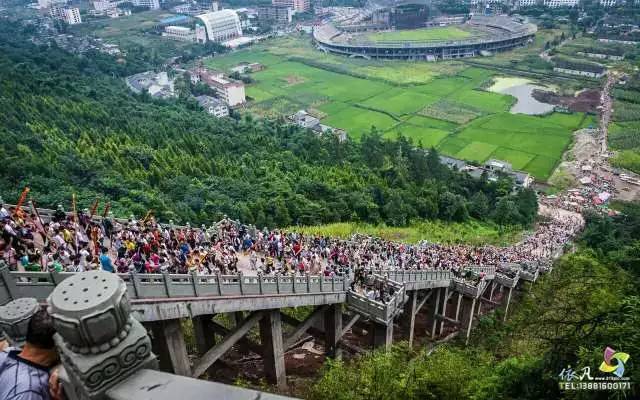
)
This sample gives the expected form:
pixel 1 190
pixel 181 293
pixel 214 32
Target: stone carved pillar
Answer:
pixel 100 342
pixel 15 317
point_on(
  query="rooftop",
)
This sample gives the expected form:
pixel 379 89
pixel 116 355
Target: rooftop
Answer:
pixel 208 101
pixel 175 19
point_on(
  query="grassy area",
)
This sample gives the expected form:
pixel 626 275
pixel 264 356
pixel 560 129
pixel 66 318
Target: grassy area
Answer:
pixel 357 121
pixel 624 135
pixel 472 232
pixel 424 34
pixel 443 104
pixel 132 32
pixel 531 143
pixel 300 48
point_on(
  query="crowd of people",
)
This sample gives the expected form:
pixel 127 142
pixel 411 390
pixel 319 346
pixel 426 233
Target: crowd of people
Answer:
pixel 595 191
pixel 76 242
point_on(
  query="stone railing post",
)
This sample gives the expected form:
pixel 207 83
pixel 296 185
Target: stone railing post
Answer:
pixel 100 342
pixel 8 290
pixel 15 317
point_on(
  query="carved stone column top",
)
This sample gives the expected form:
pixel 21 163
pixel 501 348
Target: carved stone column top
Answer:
pixel 15 317
pixel 99 342
pixel 91 311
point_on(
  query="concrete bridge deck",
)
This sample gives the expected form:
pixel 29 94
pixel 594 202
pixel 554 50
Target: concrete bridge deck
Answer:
pixel 162 301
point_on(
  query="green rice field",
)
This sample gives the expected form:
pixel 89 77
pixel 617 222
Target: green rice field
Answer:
pixel 424 34
pixel 435 108
pixel 531 143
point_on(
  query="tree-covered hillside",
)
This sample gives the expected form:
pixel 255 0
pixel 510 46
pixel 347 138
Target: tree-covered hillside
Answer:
pixel 70 125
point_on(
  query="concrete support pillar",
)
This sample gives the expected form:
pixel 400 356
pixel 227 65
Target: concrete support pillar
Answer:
pixel 409 316
pixel 493 286
pixel 457 316
pixel 506 309
pixel 273 348
pixel 332 329
pixel 382 335
pixel 444 308
pixel 204 333
pixel 158 345
pixel 170 347
pixel 435 311
pixel 473 305
pixel 238 318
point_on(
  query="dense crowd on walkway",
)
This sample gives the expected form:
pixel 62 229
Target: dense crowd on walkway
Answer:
pixel 79 242
pixel 76 243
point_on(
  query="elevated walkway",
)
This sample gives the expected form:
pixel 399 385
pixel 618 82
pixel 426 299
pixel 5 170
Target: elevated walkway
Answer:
pixel 156 297
pixel 162 301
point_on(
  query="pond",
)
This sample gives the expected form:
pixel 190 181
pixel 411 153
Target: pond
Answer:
pixel 522 89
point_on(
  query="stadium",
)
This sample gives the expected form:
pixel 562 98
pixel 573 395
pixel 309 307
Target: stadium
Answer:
pixel 387 35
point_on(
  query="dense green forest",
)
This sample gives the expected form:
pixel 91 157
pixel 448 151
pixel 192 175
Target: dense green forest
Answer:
pixel 589 301
pixel 70 125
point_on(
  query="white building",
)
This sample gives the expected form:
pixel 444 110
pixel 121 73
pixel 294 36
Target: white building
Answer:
pixel 103 5
pixel 179 33
pixel 560 3
pixel 231 91
pixel 608 3
pixel 70 15
pixel 213 106
pixel 151 4
pixel 157 85
pixel 218 26
pixel 590 74
pixel 527 3
pixel 305 120
pixel 296 5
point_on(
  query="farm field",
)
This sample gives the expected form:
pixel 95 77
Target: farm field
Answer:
pixel 424 34
pixel 624 132
pixel 449 112
pixel 530 143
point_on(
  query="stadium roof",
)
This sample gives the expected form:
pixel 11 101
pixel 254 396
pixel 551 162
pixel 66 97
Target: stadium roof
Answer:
pixel 397 3
pixel 227 20
pixel 217 16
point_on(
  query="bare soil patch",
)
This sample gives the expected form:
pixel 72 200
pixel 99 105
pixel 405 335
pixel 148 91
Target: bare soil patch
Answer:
pixel 586 101
pixel 294 80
